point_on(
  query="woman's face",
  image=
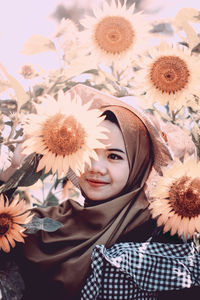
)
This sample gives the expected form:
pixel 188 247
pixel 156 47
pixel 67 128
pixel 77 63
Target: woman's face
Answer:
pixel 108 176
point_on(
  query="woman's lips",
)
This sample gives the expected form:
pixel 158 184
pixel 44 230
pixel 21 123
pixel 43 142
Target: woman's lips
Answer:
pixel 96 183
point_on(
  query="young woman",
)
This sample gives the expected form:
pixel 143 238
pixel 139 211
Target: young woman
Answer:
pixel 56 265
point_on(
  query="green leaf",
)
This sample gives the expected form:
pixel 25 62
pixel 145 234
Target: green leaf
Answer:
pixel 44 175
pixel 19 132
pixel 25 176
pixel 51 200
pixel 57 182
pixel 45 224
pixel 196 48
pixel 9 123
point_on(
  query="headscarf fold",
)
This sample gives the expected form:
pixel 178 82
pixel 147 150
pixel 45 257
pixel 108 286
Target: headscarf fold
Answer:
pixel 63 257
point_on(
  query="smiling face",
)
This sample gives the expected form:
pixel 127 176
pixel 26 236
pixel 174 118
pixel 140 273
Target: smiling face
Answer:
pixel 108 176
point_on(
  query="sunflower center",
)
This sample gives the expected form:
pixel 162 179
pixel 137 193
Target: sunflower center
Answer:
pixel 185 196
pixel 63 135
pixel 114 34
pixel 169 74
pixel 5 223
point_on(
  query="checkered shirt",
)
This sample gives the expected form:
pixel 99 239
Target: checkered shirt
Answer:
pixel 140 271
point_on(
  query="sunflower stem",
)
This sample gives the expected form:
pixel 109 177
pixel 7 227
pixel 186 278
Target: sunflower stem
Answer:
pixel 15 123
pixel 10 142
pixel 175 113
pixel 173 116
pixel 48 195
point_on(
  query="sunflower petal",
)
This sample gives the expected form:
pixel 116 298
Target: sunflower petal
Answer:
pixel 11 240
pixel 4 244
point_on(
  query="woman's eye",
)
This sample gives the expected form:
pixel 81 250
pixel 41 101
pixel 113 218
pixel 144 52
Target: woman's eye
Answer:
pixel 114 156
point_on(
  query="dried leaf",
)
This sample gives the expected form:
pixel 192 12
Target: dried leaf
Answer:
pixel 4 85
pixel 37 44
pixel 20 93
pixel 188 14
pixel 182 19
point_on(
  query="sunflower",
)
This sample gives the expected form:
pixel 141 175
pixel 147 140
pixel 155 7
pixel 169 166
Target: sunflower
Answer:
pixel 66 28
pixel 65 132
pixel 28 71
pixel 169 74
pixel 176 198
pixel 115 34
pixel 11 217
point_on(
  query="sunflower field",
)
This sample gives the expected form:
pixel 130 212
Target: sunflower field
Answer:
pixel 45 134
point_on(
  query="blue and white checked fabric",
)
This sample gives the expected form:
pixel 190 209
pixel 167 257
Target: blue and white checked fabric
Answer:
pixel 139 271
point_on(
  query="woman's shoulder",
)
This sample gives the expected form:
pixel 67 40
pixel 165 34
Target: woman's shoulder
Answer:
pixel 139 234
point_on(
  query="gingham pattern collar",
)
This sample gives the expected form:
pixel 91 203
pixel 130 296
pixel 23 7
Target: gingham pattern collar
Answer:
pixel 141 270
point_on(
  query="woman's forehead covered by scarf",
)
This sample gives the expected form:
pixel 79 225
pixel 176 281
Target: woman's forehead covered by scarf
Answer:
pixel 100 100
pixel 137 144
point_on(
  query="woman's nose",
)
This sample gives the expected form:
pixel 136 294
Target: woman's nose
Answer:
pixel 98 166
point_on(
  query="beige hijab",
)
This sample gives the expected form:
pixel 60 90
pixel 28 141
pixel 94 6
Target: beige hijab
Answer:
pixel 63 257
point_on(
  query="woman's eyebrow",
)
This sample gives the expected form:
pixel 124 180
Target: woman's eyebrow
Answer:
pixel 116 149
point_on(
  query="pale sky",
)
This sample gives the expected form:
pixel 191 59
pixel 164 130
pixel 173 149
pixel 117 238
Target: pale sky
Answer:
pixel 169 8
pixel 19 19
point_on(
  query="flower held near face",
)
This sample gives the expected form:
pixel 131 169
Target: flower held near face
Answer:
pixel 177 198
pixel 12 216
pixel 65 132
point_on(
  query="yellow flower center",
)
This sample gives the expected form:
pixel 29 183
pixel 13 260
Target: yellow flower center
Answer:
pixel 114 34
pixel 5 223
pixel 184 196
pixel 169 74
pixel 63 135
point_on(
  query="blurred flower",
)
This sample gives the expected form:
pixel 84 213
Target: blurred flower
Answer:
pixel 171 132
pixel 66 28
pixel 11 217
pixel 28 71
pixel 65 132
pixel 169 74
pixel 177 198
pixel 115 34
pixel 68 44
